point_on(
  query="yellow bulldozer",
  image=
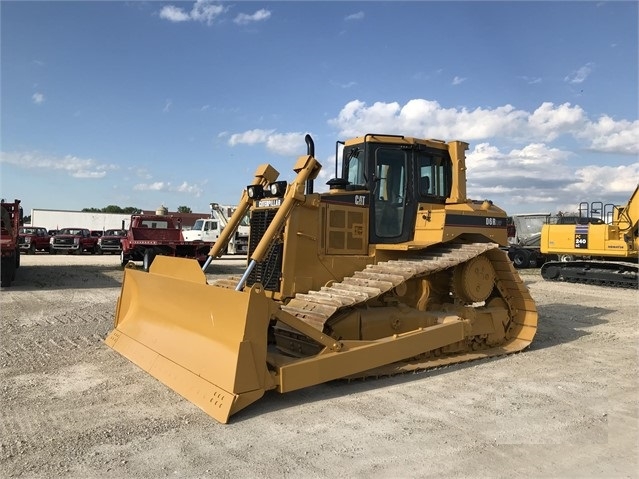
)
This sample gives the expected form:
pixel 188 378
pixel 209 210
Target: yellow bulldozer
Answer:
pixel 393 269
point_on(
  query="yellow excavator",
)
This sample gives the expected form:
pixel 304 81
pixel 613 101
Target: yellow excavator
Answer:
pixel 603 252
pixel 392 269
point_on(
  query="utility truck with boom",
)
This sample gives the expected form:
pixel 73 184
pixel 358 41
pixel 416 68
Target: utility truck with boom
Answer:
pixel 210 229
pixel 393 269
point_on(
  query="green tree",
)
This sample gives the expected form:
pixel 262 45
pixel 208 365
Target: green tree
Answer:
pixel 184 209
pixel 130 210
pixel 112 209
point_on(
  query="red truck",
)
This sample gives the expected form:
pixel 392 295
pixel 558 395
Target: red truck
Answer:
pixel 152 235
pixel 34 238
pixel 111 241
pixel 11 220
pixel 73 241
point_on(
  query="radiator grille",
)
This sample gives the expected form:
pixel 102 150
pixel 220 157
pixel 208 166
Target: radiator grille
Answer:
pixel 269 272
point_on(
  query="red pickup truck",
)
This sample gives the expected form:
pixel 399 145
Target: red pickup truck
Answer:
pixel 111 241
pixel 152 235
pixel 73 241
pixel 34 238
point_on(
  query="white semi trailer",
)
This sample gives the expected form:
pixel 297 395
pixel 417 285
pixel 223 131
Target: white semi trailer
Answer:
pixel 56 219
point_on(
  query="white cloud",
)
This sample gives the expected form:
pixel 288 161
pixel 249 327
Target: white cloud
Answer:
pixel 581 74
pixel 250 137
pixel 458 80
pixel 74 166
pixel 156 186
pixel 613 179
pixel 37 98
pixel 610 136
pixel 349 84
pixel 355 16
pixel 522 160
pixel 427 119
pixel 287 144
pixel 184 187
pixel 531 80
pixel 550 121
pixel 533 160
pixel 258 16
pixel 535 171
pixel 278 143
pixel 203 11
pixel 174 14
pixel 167 106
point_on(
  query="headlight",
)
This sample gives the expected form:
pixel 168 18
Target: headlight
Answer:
pixel 51 240
pixel 278 188
pixel 27 239
pixel 76 240
pixel 100 241
pixel 255 192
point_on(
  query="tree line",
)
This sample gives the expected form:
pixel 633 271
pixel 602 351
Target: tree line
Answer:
pixel 129 210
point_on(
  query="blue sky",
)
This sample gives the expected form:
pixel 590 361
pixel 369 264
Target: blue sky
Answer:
pixel 176 103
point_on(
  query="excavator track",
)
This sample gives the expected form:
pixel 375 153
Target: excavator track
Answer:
pixel 319 308
pixel 615 274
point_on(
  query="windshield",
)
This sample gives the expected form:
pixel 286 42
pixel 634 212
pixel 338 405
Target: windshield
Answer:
pixel 154 224
pixel 70 231
pixel 115 233
pixel 28 231
pixel 355 165
pixel 198 225
pixel 529 225
pixel 434 175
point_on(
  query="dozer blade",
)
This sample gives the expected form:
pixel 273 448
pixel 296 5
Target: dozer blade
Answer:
pixel 206 343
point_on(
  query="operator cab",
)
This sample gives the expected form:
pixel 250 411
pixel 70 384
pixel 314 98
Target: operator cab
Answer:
pixel 398 173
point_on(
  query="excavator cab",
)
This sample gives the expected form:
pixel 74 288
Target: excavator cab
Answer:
pixel 392 269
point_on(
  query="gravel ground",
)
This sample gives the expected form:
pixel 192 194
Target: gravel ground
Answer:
pixel 71 407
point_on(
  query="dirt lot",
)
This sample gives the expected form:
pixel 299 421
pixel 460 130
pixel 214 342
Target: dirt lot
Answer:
pixel 71 407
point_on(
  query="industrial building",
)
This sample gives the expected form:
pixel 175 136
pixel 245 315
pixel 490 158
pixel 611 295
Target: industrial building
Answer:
pixel 57 219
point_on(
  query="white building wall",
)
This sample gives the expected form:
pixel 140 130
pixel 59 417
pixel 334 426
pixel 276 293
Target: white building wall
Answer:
pixel 57 219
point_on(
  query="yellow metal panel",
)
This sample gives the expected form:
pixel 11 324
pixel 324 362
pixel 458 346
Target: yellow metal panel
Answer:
pixel 363 355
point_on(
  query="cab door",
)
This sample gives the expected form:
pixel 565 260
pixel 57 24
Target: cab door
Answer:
pixel 393 207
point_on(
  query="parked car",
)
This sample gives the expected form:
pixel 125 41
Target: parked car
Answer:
pixel 33 238
pixel 111 241
pixel 73 241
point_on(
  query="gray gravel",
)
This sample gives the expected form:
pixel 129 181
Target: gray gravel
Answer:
pixel 71 407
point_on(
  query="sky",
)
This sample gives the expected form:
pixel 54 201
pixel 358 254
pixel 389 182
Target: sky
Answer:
pixel 177 103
